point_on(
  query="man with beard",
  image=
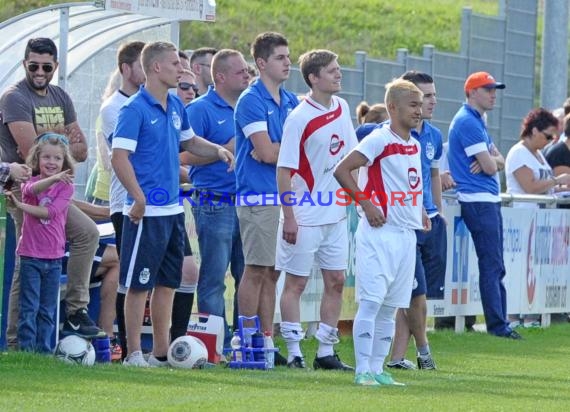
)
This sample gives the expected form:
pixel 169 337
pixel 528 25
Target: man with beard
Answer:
pixel 31 107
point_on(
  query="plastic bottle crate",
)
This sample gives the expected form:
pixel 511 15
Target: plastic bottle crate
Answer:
pixel 246 351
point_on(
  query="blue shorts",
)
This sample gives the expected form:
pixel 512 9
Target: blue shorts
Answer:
pixel 152 252
pixel 431 255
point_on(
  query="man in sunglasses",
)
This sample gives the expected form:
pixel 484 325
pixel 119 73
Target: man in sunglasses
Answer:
pixel 187 87
pixel 28 108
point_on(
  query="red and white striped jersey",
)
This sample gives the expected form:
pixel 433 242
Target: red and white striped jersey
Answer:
pixel 392 178
pixel 315 139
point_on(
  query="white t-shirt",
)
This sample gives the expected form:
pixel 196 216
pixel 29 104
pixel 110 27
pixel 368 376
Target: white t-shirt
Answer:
pixel 393 177
pixel 315 139
pixel 520 156
pixel 109 114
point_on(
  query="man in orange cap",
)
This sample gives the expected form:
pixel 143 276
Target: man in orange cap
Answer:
pixel 474 162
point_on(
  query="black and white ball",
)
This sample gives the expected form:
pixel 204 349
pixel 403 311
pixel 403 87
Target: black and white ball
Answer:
pixel 75 350
pixel 187 352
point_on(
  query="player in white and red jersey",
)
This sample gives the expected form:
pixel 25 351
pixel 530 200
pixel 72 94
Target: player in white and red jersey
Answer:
pixel 317 135
pixel 392 177
pixel 315 139
pixel 389 193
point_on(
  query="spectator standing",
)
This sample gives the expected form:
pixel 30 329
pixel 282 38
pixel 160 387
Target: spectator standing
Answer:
pixel 259 116
pixel 474 163
pixel 41 246
pixel 187 87
pixel 201 65
pixel 217 225
pixel 132 77
pixel 31 107
pixel 150 129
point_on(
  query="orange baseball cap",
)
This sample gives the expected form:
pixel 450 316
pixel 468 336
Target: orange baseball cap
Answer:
pixel 482 79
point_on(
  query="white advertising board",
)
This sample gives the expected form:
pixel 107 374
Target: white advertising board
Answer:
pixel 201 10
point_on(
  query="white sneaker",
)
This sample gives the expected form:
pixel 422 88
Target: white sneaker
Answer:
pixel 401 364
pixel 136 359
pixel 155 363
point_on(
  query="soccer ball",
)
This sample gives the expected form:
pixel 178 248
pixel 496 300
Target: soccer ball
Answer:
pixel 187 352
pixel 75 350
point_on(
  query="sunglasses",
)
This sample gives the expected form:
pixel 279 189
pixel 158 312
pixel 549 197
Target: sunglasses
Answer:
pixel 187 86
pixel 46 67
pixel 548 136
pixel 52 138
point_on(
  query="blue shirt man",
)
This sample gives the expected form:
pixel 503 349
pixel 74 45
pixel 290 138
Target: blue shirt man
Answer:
pixel 217 225
pixel 257 110
pixel 474 163
pixel 213 118
pixel 140 120
pixel 259 116
pixel 150 128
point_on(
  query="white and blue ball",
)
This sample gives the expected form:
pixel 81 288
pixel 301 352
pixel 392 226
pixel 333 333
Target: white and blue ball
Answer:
pixel 75 350
pixel 187 352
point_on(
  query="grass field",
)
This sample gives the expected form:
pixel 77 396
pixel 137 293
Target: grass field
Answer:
pixel 477 372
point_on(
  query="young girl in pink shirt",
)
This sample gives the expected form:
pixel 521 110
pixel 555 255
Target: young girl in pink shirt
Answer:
pixel 45 201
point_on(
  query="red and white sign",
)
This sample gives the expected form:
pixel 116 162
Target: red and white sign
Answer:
pixel 210 330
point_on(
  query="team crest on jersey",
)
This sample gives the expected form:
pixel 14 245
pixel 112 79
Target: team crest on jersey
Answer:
pixel 336 144
pixel 430 151
pixel 144 276
pixel 413 177
pixel 176 121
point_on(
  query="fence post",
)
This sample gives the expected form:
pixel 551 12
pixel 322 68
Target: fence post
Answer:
pixel 554 61
pixel 465 30
pixel 428 51
pixel 360 62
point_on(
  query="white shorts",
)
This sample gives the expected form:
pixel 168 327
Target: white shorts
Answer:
pixel 327 243
pixel 385 264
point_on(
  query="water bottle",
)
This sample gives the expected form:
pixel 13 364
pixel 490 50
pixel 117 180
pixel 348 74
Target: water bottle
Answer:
pixel 257 342
pixel 269 355
pixel 102 349
pixel 235 344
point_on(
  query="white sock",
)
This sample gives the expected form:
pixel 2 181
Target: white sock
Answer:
pixel 327 337
pixel 363 334
pixel 384 328
pixel 292 333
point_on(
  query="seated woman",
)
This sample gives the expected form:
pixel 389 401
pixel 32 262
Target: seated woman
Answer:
pixel 528 172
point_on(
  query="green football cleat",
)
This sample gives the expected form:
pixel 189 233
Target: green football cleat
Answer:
pixel 365 379
pixel 386 379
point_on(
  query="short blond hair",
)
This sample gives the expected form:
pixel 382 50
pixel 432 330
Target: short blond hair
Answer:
pixel 398 88
pixel 153 52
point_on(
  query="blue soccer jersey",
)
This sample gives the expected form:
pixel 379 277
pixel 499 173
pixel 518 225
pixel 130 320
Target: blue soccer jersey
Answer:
pixel 256 111
pixel 364 130
pixel 467 137
pixel 153 135
pixel 432 148
pixel 212 118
